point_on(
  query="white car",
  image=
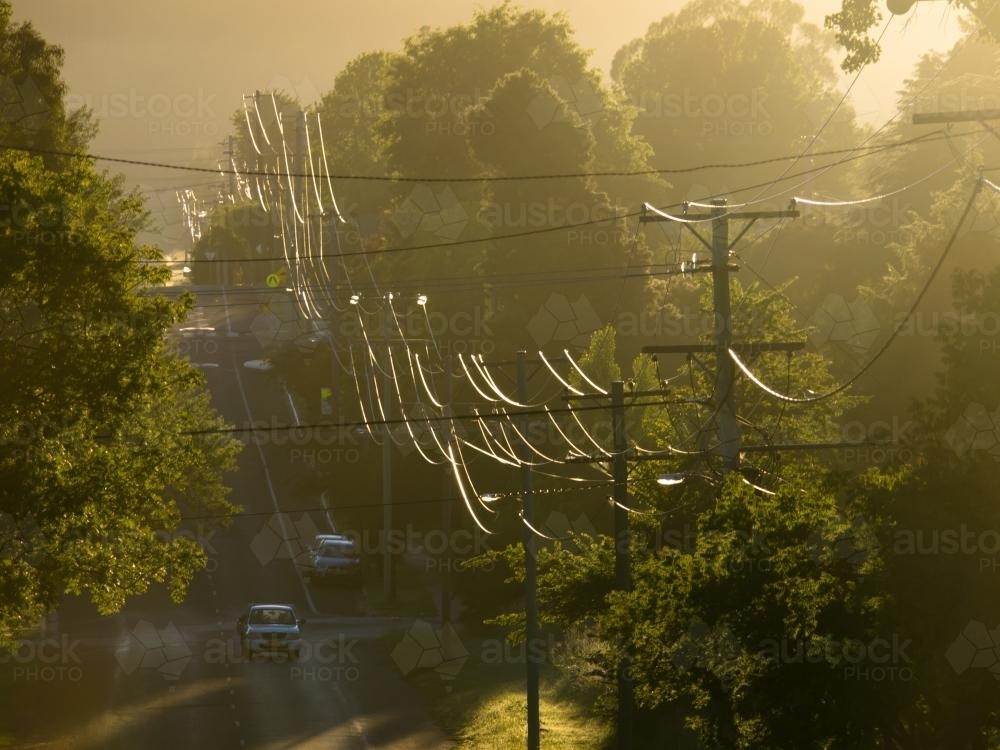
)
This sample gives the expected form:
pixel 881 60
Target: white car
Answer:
pixel 271 628
pixel 259 364
pixel 334 557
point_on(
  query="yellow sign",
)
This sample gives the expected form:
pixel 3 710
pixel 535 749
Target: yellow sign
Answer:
pixel 273 280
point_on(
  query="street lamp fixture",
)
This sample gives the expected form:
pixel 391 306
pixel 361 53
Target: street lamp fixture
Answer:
pixel 670 480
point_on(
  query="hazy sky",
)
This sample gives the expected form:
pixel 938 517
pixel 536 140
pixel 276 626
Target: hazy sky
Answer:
pixel 200 56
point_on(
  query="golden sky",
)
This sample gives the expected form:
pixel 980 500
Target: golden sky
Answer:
pixel 209 52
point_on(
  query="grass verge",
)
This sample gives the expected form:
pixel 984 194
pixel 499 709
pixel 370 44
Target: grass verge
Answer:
pixel 484 705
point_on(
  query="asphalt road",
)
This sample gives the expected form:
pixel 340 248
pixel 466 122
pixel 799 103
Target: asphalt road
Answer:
pixel 160 675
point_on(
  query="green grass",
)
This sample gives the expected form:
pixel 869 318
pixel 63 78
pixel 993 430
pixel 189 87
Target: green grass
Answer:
pixel 485 706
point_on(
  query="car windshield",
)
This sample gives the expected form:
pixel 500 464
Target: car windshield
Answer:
pixel 272 616
pixel 338 551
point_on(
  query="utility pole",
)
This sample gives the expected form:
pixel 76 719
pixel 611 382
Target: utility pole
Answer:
pixel 388 581
pixel 729 429
pixel 447 498
pixel 232 192
pixel 530 544
pixel 623 558
pixel 623 572
pixel 725 370
pixel 619 459
pixel 530 568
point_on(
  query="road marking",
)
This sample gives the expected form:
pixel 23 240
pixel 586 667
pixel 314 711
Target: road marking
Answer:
pixel 352 716
pixel 225 306
pixel 270 487
pixel 291 403
pixel 298 420
pixel 326 511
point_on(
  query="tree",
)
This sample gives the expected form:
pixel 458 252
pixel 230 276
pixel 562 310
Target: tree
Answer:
pixel 722 82
pixel 240 232
pixel 32 92
pixel 679 583
pixel 108 440
pixel 351 112
pixel 507 95
pixel 856 18
pixel 98 463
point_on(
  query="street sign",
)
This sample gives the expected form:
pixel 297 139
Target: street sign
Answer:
pixel 273 280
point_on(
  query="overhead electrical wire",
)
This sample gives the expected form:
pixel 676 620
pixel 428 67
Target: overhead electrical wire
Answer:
pixel 892 336
pixel 934 135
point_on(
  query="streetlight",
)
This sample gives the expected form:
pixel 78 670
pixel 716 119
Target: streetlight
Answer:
pixel 679 477
pixel 669 480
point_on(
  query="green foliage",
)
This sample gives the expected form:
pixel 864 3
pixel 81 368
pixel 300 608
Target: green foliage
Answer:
pixel 34 92
pixel 241 232
pixel 854 22
pixel 768 87
pixel 108 438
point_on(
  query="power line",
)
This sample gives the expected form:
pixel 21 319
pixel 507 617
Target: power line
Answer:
pixel 518 235
pixel 481 178
pixel 892 336
pixel 325 426
pixel 597 484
